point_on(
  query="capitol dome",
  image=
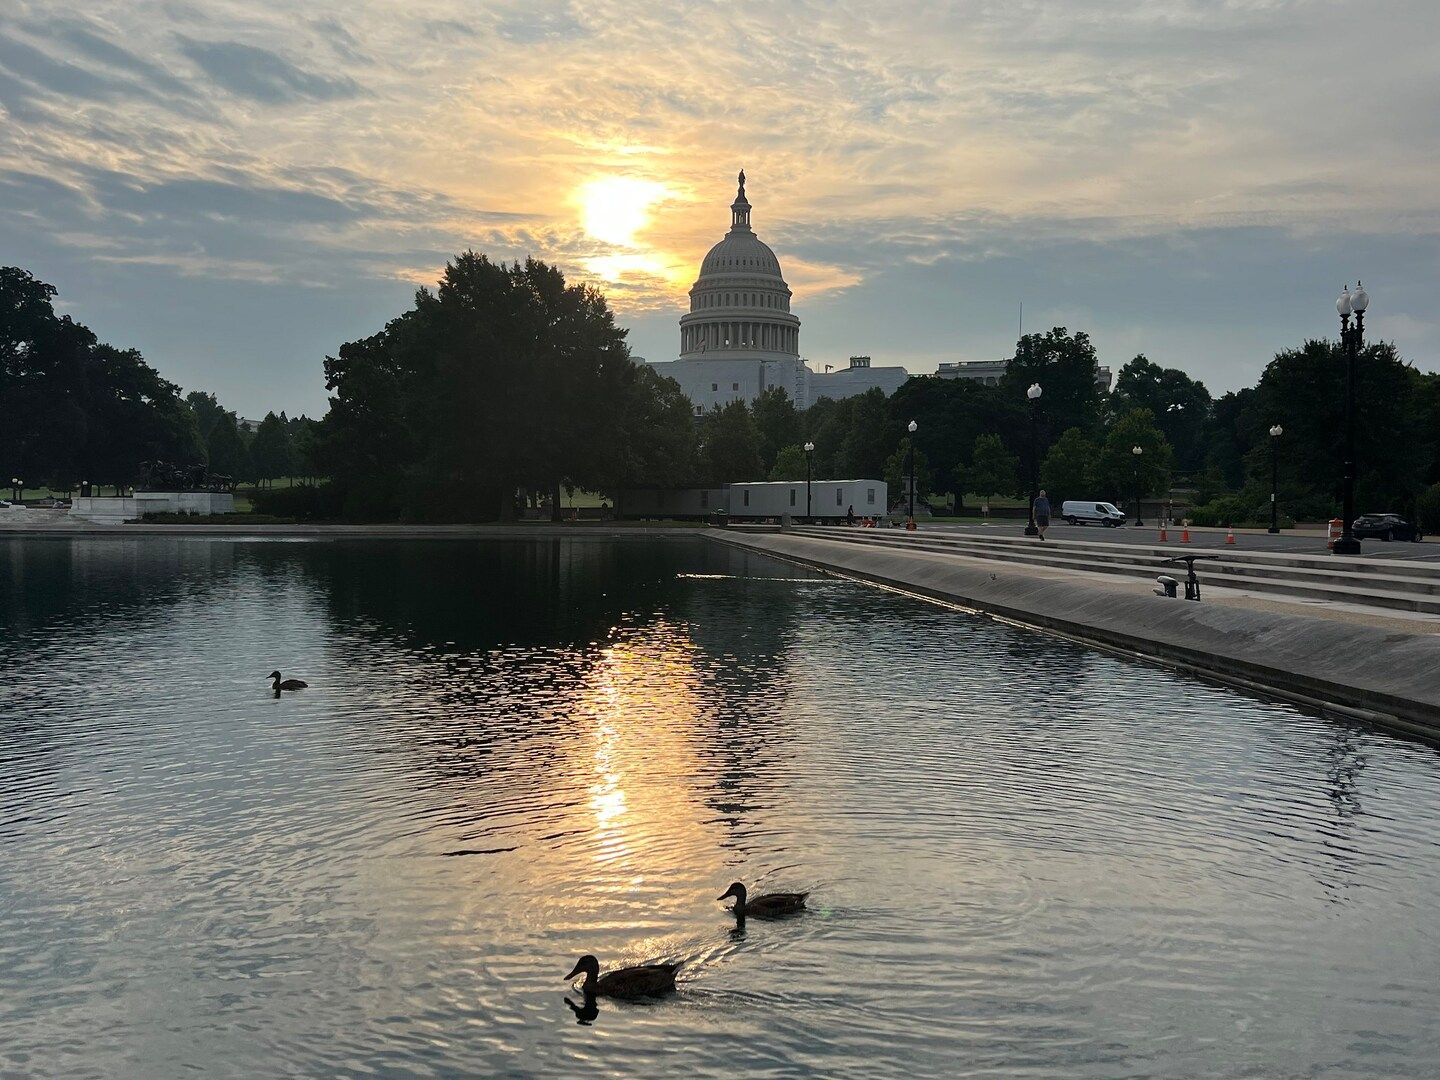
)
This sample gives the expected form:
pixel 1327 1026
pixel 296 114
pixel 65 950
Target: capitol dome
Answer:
pixel 740 304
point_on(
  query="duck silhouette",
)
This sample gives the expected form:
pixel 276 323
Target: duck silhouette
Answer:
pixel 643 980
pixel 768 906
pixel 288 684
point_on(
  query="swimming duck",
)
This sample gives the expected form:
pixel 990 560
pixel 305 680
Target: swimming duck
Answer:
pixel 646 980
pixel 288 684
pixel 769 906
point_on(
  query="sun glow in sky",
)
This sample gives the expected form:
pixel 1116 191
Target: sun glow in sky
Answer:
pixel 615 208
pixel 236 189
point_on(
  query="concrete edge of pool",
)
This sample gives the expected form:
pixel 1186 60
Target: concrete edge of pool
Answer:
pixel 1379 676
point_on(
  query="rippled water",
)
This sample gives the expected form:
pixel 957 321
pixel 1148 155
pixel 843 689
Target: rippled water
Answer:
pixel 1029 859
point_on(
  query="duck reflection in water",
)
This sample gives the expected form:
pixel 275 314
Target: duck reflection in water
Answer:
pixel 585 1014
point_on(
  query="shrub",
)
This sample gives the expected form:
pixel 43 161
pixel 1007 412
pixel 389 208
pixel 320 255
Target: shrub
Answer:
pixel 1238 511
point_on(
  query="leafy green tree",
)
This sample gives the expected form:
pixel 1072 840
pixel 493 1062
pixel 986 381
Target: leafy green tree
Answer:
pixel 1068 469
pixel 730 445
pixel 853 436
pixel 227 451
pixel 1121 473
pixel 992 468
pixel 789 464
pixel 208 412
pixel 951 414
pixel 1065 366
pixel 504 378
pixel 897 476
pixel 1181 406
pixel 72 408
pixel 272 452
pixel 777 422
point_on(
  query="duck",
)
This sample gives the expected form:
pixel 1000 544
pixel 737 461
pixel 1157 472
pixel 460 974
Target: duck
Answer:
pixel 768 906
pixel 644 980
pixel 288 684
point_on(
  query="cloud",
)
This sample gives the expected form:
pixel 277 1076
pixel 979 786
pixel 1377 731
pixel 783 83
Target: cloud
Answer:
pixel 261 75
pixel 917 168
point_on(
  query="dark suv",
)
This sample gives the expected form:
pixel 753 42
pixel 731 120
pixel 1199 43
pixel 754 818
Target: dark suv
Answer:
pixel 1384 527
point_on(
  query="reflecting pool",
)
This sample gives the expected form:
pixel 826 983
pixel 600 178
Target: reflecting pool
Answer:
pixel 1028 858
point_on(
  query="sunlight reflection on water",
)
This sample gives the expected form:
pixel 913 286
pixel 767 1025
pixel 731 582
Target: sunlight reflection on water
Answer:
pixel 1029 858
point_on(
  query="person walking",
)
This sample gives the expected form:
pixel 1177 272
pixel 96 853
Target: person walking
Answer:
pixel 850 516
pixel 1042 513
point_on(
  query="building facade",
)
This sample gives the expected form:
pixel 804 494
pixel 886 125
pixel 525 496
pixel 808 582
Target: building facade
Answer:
pixel 990 371
pixel 740 337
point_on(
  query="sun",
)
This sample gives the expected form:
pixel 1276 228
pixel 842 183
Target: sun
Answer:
pixel 614 208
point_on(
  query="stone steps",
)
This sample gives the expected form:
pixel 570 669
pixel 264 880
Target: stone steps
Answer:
pixel 1397 586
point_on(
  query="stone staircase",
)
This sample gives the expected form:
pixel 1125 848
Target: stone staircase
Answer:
pixel 1393 584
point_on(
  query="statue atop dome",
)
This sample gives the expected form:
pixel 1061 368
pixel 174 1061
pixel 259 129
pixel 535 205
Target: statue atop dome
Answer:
pixel 740 209
pixel 742 184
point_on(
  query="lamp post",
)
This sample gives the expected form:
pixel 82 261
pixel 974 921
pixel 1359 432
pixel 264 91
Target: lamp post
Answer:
pixel 1034 395
pixel 913 427
pixel 1351 339
pixel 1137 451
pixel 809 449
pixel 17 489
pixel 1275 432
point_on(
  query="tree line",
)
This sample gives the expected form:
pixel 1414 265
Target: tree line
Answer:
pixel 507 384
pixel 75 410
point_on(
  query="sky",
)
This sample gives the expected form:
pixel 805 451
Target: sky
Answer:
pixel 236 187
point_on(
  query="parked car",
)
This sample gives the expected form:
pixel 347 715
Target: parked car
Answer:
pixel 1383 527
pixel 1084 513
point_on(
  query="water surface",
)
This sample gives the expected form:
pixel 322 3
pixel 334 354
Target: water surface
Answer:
pixel 1029 859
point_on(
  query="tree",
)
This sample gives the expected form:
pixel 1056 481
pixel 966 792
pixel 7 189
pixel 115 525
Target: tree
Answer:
pixel 992 468
pixel 1120 472
pixel 730 445
pixel 1069 468
pixel 897 476
pixel 951 415
pixel 208 412
pixel 777 422
pixel 1065 367
pixel 1180 404
pixel 226 449
pixel 505 377
pixel 72 408
pixel 272 453
pixel 789 464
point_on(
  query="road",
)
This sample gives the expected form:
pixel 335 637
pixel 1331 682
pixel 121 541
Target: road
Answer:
pixel 1310 543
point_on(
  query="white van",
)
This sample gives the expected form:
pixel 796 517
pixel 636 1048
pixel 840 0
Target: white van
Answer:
pixel 1083 513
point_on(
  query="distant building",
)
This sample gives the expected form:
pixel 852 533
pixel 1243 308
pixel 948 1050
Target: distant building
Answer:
pixel 990 371
pixel 740 337
pixel 859 377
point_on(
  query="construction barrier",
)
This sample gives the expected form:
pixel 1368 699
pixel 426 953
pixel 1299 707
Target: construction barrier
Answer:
pixel 1337 530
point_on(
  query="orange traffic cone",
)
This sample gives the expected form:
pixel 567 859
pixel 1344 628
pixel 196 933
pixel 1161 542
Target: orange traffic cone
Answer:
pixel 1164 536
pixel 1230 534
pixel 1185 534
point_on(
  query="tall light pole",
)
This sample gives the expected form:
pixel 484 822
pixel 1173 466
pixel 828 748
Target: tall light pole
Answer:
pixel 1137 451
pixel 1351 339
pixel 1275 432
pixel 809 449
pixel 913 427
pixel 1034 395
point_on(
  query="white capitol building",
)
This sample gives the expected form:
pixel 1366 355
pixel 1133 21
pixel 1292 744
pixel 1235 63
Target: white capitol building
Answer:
pixel 740 338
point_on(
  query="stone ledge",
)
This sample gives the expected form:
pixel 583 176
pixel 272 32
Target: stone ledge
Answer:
pixel 1386 678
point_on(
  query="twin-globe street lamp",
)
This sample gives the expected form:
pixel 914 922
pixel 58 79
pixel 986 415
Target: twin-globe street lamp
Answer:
pixel 1351 339
pixel 913 427
pixel 1137 451
pixel 809 450
pixel 1034 395
pixel 1275 432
